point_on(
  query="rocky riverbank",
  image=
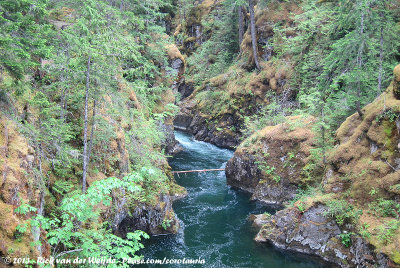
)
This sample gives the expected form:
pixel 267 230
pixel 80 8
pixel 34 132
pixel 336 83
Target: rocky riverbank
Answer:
pixel 349 214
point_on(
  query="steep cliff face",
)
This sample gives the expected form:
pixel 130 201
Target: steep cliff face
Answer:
pixel 22 183
pixel 273 162
pixel 365 168
pixel 367 155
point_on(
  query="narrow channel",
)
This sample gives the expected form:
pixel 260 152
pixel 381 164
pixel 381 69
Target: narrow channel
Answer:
pixel 214 217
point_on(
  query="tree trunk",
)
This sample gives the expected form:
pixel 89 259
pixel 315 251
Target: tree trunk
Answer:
pixel 359 63
pixel 253 33
pixel 85 138
pixel 380 56
pixel 64 97
pixel 92 131
pixel 241 28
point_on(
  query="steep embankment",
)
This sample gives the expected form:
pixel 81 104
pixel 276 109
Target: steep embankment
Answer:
pixel 215 112
pixel 22 182
pixel 75 106
pixel 352 218
pixel 19 177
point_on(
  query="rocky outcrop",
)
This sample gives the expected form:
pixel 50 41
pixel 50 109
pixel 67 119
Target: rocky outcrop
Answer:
pixel 272 163
pixel 152 219
pixel 364 168
pixel 313 233
pixel 170 144
pixel 185 89
pixel 200 127
pixel 190 35
pixel 177 66
pixel 368 145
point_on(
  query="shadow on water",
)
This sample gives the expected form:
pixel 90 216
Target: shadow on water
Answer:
pixel 214 218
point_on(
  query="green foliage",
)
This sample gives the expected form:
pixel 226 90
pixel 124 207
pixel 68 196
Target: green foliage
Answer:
pixel 166 224
pixel 78 229
pixel 269 115
pixel 346 238
pixel 25 208
pixel 363 231
pixel 301 206
pixel 342 212
pixel 267 169
pixel 336 53
pixel 387 231
pixel 303 193
pixel 385 208
pixel 44 48
pixel 390 115
pixel 23 35
pixel 334 37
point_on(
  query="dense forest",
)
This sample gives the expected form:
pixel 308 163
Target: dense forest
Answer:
pixel 306 93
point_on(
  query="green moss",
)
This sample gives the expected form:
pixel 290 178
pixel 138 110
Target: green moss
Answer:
pixel 396 257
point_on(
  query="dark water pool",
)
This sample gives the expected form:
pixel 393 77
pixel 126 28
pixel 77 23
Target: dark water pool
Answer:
pixel 213 217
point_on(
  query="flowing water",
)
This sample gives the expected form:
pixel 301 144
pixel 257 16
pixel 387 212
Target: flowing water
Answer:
pixel 213 217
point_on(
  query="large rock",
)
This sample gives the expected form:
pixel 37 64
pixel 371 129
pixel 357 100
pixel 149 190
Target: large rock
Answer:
pixel 153 219
pixel 313 233
pixel 270 164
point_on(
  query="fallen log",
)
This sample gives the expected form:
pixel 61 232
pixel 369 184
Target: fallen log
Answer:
pixel 201 170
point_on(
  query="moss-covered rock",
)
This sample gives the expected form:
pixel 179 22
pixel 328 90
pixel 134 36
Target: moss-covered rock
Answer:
pixel 271 163
pixel 215 111
pixel 367 155
pixel 364 168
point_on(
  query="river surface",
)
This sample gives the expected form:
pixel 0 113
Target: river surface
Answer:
pixel 214 218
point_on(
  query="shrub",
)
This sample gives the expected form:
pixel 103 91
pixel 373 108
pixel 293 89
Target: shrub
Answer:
pixel 387 231
pixel 342 212
pixel 384 208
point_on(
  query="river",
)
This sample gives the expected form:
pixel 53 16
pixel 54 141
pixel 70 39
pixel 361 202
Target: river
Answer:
pixel 213 217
